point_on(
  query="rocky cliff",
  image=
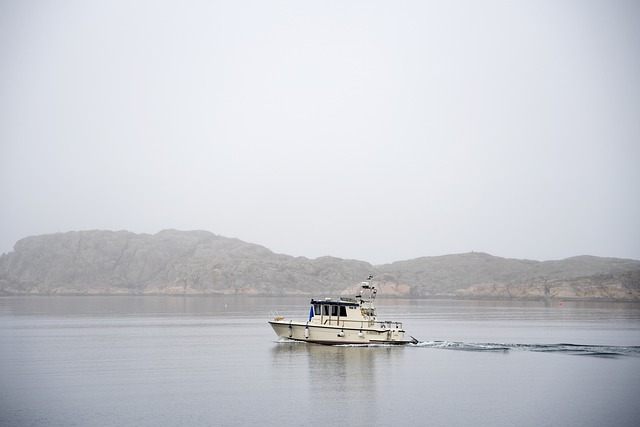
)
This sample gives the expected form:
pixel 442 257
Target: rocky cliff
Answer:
pixel 198 262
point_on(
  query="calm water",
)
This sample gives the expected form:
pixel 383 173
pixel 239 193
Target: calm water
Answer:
pixel 205 361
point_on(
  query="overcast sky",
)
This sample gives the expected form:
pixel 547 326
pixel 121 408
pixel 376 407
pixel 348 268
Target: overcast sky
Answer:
pixel 372 130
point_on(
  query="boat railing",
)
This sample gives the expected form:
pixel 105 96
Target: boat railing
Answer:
pixel 346 323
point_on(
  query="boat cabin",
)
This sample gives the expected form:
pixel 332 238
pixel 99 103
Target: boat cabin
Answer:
pixel 335 309
pixel 358 309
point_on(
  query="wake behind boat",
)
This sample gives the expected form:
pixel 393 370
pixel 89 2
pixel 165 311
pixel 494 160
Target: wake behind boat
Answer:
pixel 345 321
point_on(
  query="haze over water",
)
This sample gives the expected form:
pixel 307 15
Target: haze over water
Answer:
pixel 148 361
pixel 361 129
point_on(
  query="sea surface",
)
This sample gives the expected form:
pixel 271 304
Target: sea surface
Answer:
pixel 214 361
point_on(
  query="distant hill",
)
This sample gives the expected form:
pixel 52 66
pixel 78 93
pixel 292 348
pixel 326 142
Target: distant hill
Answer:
pixel 201 263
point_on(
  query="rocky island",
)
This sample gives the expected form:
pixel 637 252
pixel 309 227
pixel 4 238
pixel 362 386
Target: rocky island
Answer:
pixel 175 262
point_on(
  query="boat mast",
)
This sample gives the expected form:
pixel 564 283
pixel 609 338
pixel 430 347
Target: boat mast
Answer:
pixel 370 290
pixel 367 297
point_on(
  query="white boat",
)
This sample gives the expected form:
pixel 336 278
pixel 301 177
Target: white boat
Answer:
pixel 343 321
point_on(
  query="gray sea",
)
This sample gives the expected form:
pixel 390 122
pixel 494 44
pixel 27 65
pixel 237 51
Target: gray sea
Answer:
pixel 214 361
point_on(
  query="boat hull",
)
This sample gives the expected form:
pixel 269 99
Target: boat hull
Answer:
pixel 335 335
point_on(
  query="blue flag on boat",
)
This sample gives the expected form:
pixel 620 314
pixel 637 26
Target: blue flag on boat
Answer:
pixel 310 313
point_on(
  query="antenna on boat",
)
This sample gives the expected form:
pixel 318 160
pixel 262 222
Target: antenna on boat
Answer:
pixel 371 291
pixel 367 283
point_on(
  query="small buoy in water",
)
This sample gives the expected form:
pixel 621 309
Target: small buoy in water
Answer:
pixel 561 303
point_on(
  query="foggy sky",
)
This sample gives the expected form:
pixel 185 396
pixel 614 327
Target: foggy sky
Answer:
pixel 371 130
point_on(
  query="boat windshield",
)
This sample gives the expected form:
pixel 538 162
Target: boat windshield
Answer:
pixel 330 310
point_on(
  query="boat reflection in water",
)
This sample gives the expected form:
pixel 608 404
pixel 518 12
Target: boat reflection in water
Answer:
pixel 345 321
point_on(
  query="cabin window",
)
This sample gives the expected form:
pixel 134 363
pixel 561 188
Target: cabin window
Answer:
pixel 334 310
pixel 343 311
pixel 326 310
pixel 318 309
